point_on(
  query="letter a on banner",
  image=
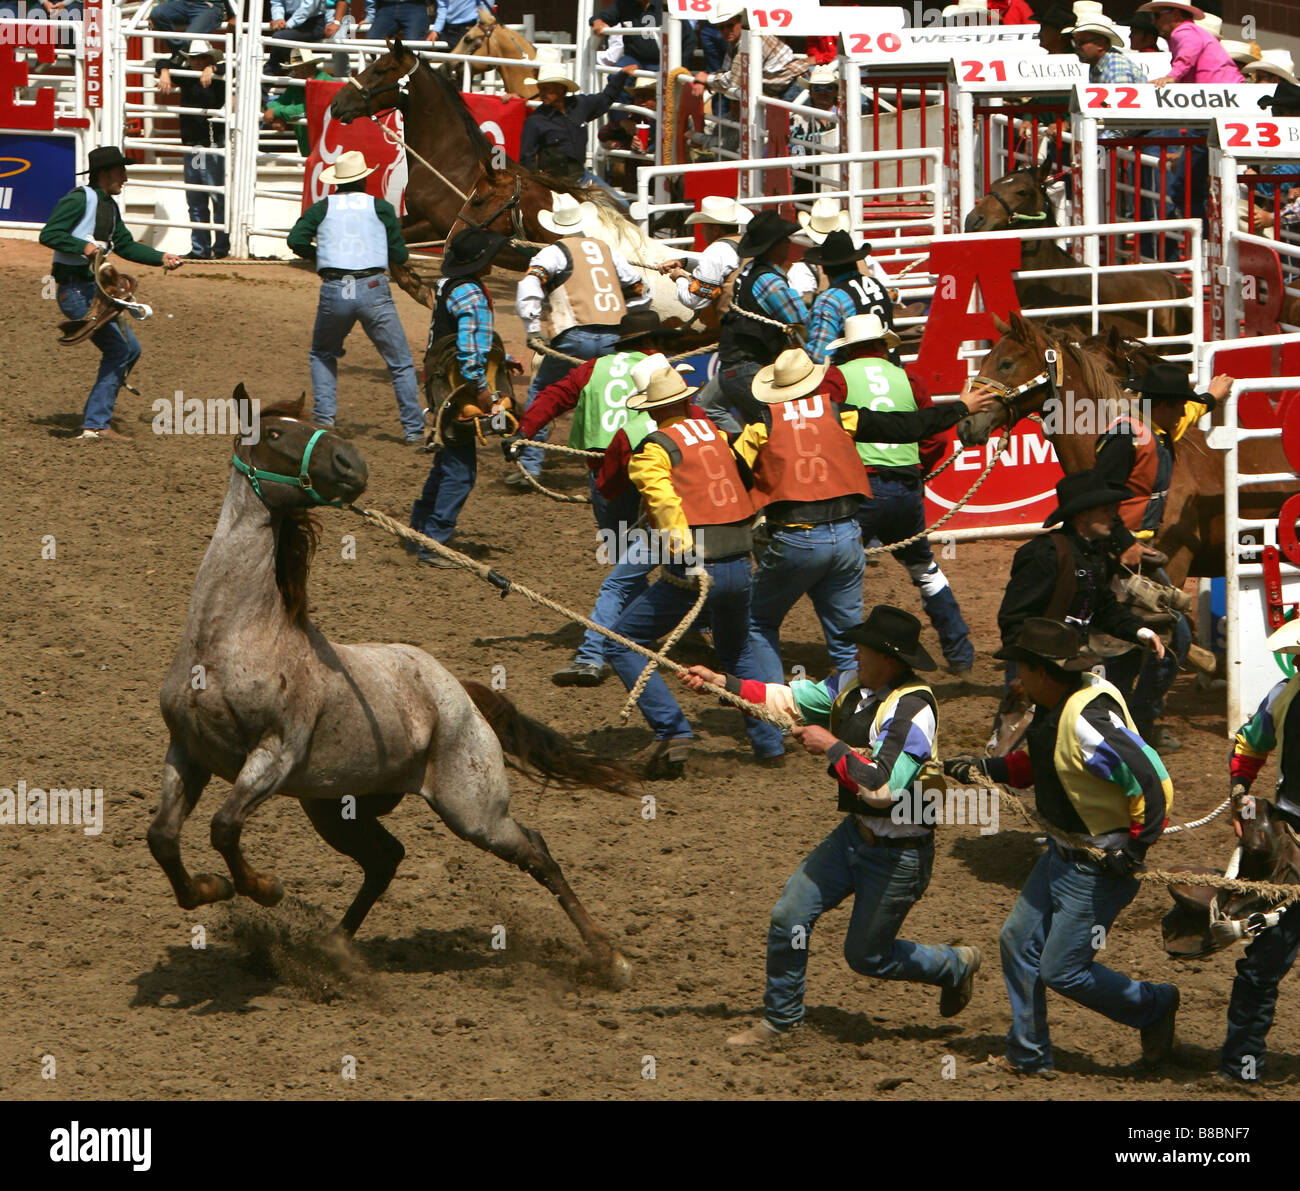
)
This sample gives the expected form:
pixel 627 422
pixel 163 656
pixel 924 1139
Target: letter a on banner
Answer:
pixel 960 265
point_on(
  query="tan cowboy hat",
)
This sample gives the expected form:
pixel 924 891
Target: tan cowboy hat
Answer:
pixel 864 328
pixel 1241 52
pixel 1211 23
pixel 201 49
pixel 304 57
pixel 1278 63
pixel 568 216
pixel 825 217
pixel 1286 639
pixel 824 75
pixel 793 375
pixel 552 72
pixel 665 387
pixel 1195 13
pixel 716 209
pixel 726 10
pixel 643 370
pixel 350 167
pixel 1099 25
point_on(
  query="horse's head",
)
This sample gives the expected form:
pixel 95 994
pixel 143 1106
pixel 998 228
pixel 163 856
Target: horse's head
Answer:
pixel 381 86
pixel 1020 193
pixel 473 41
pixel 292 464
pixel 1016 359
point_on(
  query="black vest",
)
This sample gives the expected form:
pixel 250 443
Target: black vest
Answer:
pixel 868 296
pixel 444 322
pixel 745 338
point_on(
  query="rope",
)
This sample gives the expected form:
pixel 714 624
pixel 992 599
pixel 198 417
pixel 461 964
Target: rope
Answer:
pixel 704 583
pixel 394 139
pixel 1214 814
pixel 508 586
pixel 565 497
pixel 539 345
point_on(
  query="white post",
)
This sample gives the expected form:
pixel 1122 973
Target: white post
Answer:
pixel 963 103
pixel 586 57
pixel 756 115
pixel 241 143
pixel 1229 222
pixel 1089 156
pixel 851 122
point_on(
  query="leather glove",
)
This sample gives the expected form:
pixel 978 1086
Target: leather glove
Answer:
pixel 512 445
pixel 965 767
pixel 1125 860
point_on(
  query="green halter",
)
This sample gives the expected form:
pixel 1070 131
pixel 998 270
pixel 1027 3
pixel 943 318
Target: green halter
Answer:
pixel 301 480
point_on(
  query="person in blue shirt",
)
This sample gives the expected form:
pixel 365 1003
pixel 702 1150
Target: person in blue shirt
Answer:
pixel 638 49
pixel 456 18
pixel 297 20
pixel 196 17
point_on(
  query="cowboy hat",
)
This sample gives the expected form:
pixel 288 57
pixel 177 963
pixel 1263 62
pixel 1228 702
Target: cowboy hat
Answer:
pixel 1057 17
pixel 836 249
pixel 552 72
pixel 1286 95
pixel 1080 491
pixel 825 217
pixel 665 387
pixel 793 375
pixel 201 49
pixel 967 8
pixel 1087 10
pixel 824 75
pixel 568 216
pixel 893 632
pixel 304 57
pixel 638 324
pixel 350 167
pixel 643 370
pixel 864 328
pixel 1099 26
pixel 716 209
pixel 104 158
pixel 1274 62
pixel 765 231
pixel 1195 13
pixel 726 11
pixel 1286 639
pixel 469 250
pixel 1043 640
pixel 1166 382
pixel 1240 52
pixel 1211 23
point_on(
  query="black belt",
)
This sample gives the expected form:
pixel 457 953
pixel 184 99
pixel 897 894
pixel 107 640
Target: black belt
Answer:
pixel 892 841
pixel 339 274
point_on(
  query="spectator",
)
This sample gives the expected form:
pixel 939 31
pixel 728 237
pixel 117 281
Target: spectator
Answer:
pixel 639 49
pixel 1242 53
pixel 782 67
pixel 1198 55
pixel 1011 12
pixel 1097 42
pixel 1284 102
pixel 199 134
pixel 189 16
pixel 1272 66
pixel 1051 29
pixel 1142 36
pixel 298 20
pixel 406 19
pixel 290 106
pixel 455 18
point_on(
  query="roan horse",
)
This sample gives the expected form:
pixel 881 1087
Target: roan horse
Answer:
pixel 489 38
pixel 257 695
pixel 1019 199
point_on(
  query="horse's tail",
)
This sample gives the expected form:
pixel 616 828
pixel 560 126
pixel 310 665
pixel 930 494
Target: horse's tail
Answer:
pixel 541 751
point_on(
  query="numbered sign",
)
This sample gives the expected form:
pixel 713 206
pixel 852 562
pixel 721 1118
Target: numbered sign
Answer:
pixel 1259 137
pixel 1177 103
pixel 1044 72
pixel 873 44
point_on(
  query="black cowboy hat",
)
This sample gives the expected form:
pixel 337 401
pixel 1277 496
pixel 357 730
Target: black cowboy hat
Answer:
pixel 1166 382
pixel 837 249
pixel 1144 22
pixel 1083 490
pixel 1058 16
pixel 469 250
pixel 640 324
pixel 892 631
pixel 764 231
pixel 1287 95
pixel 1043 640
pixel 104 158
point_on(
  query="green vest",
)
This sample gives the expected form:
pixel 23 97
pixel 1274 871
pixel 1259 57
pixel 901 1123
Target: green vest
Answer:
pixel 879 385
pixel 602 405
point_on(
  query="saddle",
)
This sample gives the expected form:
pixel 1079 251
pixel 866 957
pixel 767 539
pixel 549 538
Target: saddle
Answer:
pixel 454 415
pixel 1205 920
pixel 114 294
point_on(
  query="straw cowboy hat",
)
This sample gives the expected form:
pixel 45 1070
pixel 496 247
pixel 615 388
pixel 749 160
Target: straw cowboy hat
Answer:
pixel 552 72
pixel 350 167
pixel 665 387
pixel 893 632
pixel 716 209
pixel 1277 63
pixel 864 328
pixel 793 375
pixel 1211 23
pixel 1286 639
pixel 1192 11
pixel 1241 52
pixel 643 370
pixel 568 216
pixel 825 217
pixel 304 57
pixel 1043 640
pixel 727 11
pixel 1083 490
pixel 1088 10
pixel 201 49
pixel 1100 26
pixel 824 75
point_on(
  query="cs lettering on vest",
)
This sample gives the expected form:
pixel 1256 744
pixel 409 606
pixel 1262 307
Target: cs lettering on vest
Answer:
pixel 803 415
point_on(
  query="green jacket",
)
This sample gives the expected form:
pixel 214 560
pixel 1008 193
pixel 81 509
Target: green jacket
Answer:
pixel 291 105
pixel 57 235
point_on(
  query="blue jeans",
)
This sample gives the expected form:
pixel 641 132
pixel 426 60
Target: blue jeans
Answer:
pixel 118 347
pixel 343 304
pixel 1268 958
pixel 661 608
pixel 885 884
pixel 278 55
pixel 584 343
pixel 206 169
pixel 1047 942
pixel 625 580
pixel 896 510
pixel 189 16
pixel 410 20
pixel 446 489
pixel 713 402
pixel 824 563
pixel 737 383
pixel 1154 676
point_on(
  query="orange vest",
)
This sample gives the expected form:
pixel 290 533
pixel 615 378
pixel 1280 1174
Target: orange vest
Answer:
pixel 808 455
pixel 1142 479
pixel 704 473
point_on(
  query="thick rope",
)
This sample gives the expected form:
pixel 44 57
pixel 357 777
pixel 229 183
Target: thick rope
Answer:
pixel 704 583
pixel 394 139
pixel 539 345
pixel 508 586
pixel 1201 822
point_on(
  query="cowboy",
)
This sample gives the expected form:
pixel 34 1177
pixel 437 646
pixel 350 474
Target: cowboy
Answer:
pixel 640 50
pixel 1272 66
pixel 463 310
pixel 782 67
pixel 554 140
pixel 1093 776
pixel 722 222
pixel 1284 102
pixel 456 18
pixel 827 216
pixel 298 20
pixel 356 235
pixel 1270 955
pixel 589 287
pixel 1098 43
pixel 696 501
pixel 407 20
pixel 895 508
pixel 755 330
pixel 290 106
pixel 875 724
pixel 190 16
pixel 597 391
pixel 202 133
pixel 848 292
pixel 84 222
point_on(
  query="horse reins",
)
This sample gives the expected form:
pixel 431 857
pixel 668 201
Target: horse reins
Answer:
pixel 302 480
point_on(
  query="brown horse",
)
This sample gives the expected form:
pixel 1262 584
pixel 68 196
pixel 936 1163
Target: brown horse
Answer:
pixel 488 38
pixel 259 696
pixel 1020 199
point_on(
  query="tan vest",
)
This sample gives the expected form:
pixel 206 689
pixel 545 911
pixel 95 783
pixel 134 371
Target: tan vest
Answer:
pixel 591 296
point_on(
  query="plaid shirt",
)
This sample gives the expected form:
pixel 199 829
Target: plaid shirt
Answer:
pixel 781 66
pixel 469 307
pixel 777 299
pixel 826 321
pixel 1115 67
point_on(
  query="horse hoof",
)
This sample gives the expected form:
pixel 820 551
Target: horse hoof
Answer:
pixel 620 971
pixel 211 887
pixel 266 890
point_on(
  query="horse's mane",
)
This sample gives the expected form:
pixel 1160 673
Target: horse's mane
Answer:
pixel 297 535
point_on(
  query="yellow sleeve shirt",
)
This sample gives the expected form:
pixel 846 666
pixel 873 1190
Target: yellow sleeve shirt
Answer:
pixel 651 471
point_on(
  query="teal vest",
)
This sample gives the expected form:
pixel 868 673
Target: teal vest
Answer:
pixel 351 236
pixel 602 405
pixel 85 229
pixel 877 384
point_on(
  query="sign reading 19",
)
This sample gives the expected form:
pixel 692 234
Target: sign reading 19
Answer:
pixel 763 18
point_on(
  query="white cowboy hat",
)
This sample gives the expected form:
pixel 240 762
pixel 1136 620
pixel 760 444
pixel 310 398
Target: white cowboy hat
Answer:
pixel 1274 62
pixel 1195 13
pixel 825 217
pixel 726 10
pixel 1101 26
pixel 824 75
pixel 304 57
pixel 643 370
pixel 792 375
pixel 964 8
pixel 715 209
pixel 568 216
pixel 199 48
pixel 1086 10
pixel 552 72
pixel 1240 52
pixel 1286 639
pixel 350 167
pixel 864 328
pixel 1211 23
pixel 665 387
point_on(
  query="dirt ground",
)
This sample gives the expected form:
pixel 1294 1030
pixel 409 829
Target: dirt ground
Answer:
pixel 99 970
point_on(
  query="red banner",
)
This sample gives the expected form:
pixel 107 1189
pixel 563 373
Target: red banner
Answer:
pixel 1020 490
pixel 93 28
pixel 15 113
pixel 500 118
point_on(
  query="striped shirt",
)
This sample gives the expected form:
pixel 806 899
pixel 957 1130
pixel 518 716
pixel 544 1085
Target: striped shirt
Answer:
pixel 781 66
pixel 469 307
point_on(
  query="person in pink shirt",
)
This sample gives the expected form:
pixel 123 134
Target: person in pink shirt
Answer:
pixel 1198 56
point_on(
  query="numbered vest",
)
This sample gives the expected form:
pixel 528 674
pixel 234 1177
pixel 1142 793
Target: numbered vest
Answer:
pixel 1153 468
pixel 704 473
pixel 602 405
pixel 85 229
pixel 587 292
pixel 808 456
pixel 351 236
pixel 876 384
pixel 1287 734
pixel 868 295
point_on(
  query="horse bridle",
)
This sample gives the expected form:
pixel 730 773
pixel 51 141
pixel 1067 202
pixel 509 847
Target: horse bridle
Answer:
pixel 401 85
pixel 255 475
pixel 1053 376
